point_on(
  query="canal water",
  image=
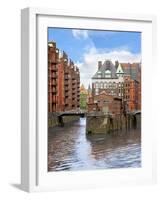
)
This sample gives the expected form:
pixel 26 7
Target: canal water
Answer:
pixel 69 148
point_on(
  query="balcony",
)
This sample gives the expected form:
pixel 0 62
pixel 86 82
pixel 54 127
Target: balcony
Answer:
pixel 50 100
pixel 54 99
pixel 66 71
pixel 52 82
pixel 73 89
pixel 52 58
pixel 54 90
pixel 66 88
pixel 53 68
pixel 50 89
pixel 53 75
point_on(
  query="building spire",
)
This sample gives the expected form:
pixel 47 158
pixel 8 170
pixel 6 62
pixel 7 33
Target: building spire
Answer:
pixel 89 87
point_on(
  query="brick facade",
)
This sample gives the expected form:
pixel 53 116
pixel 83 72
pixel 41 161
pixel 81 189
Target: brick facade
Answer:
pixel 63 81
pixel 105 103
pixel 121 81
pixel 131 93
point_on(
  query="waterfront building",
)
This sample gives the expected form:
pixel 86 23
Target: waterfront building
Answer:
pixel 105 103
pixel 53 60
pixel 63 81
pixel 91 105
pixel 119 80
pixel 132 85
pixel 108 79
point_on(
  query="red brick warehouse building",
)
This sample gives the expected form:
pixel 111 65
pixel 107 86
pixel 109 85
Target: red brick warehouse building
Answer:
pixel 120 81
pixel 63 81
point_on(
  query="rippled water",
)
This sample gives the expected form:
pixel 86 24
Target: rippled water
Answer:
pixel 70 149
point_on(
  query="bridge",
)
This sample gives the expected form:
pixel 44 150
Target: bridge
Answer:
pixel 81 113
pixel 60 115
pixel 137 112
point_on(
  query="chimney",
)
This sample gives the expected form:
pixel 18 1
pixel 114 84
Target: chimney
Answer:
pixel 116 64
pixel 99 64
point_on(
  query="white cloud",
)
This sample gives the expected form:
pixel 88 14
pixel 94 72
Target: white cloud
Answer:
pixel 79 34
pixel 91 57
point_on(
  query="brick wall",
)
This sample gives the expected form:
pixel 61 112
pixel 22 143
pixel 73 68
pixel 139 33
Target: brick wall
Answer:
pixel 63 81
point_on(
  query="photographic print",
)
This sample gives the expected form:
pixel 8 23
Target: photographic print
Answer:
pixel 94 99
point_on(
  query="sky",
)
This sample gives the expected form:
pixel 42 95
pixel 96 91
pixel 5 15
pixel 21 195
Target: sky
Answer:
pixel 86 47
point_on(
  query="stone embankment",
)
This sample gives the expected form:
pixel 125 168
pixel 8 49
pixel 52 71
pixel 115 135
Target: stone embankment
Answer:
pixel 98 122
pixel 54 121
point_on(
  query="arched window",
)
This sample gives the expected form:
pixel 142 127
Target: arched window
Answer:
pixel 105 85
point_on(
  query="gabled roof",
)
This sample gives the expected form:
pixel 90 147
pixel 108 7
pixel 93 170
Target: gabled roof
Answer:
pixel 107 66
pixel 131 69
pixel 119 69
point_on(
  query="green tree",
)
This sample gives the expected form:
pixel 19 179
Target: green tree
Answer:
pixel 83 101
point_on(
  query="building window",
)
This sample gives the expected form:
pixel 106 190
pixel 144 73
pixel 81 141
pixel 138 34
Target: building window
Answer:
pixel 101 85
pixel 114 85
pixel 107 75
pixel 96 91
pixel 119 84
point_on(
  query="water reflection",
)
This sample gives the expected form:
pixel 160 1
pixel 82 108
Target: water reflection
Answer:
pixel 70 149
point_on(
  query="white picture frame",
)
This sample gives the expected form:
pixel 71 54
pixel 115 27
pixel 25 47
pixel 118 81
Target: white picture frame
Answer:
pixel 34 176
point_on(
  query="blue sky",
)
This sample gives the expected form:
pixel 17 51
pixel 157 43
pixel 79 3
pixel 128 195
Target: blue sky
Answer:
pixel 86 47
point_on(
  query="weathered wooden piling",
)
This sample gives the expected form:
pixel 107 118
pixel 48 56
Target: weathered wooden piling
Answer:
pixel 100 123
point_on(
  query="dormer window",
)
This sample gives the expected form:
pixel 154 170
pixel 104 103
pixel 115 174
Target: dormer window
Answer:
pixel 99 74
pixel 107 74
